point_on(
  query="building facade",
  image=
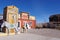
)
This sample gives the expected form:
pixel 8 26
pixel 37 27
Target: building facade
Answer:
pixel 25 18
pixel 54 20
pixel 10 14
pixel 10 17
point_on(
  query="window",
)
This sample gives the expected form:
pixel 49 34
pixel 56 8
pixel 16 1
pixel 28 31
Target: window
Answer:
pixel 18 24
pixel 14 18
pixel 55 19
pixel 30 23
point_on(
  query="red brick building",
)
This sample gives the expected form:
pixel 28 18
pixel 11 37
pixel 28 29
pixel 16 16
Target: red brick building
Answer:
pixel 25 18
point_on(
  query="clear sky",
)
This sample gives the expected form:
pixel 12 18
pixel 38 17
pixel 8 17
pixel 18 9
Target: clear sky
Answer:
pixel 41 9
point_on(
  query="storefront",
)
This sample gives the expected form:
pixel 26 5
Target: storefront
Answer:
pixel 26 20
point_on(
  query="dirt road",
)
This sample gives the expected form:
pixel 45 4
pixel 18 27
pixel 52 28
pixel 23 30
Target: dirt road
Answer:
pixel 35 34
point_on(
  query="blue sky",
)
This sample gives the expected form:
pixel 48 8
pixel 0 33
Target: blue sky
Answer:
pixel 41 9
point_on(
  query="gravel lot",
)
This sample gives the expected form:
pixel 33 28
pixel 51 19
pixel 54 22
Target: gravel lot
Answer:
pixel 35 34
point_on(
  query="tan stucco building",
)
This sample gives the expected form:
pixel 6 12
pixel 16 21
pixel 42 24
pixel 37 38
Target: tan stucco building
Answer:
pixel 10 15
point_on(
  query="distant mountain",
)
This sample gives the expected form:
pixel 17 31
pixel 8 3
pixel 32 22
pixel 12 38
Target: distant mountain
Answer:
pixel 1 16
pixel 42 24
pixel 39 25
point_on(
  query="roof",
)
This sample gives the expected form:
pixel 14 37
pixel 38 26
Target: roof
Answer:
pixel 54 15
pixel 23 12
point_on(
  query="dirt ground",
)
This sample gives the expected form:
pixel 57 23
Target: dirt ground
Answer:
pixel 35 34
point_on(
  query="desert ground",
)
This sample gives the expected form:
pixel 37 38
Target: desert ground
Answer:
pixel 35 34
